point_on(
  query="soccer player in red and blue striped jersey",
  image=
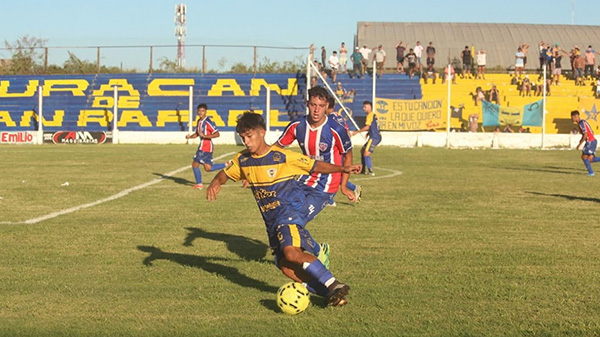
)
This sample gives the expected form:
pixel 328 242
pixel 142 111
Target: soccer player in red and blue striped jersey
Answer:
pixel 324 138
pixel 206 129
pixel 588 154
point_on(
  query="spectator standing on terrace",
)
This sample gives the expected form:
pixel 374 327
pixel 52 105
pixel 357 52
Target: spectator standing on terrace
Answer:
pixel 430 51
pixel 365 51
pixel 524 47
pixel 323 56
pixel 556 66
pixel 542 49
pixel 481 61
pixel 419 52
pixel 334 64
pixel 590 60
pixel 400 57
pixel 578 65
pixel 343 58
pixel 466 61
pixel 357 69
pixel 380 57
pixel 411 59
pixel 519 62
pixel 313 73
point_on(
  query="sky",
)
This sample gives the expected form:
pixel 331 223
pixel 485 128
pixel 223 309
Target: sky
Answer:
pixel 63 23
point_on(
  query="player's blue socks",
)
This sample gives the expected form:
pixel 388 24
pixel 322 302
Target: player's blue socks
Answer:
pixel 318 272
pixel 596 159
pixel 351 186
pixel 368 163
pixel 588 166
pixel 316 288
pixel 217 167
pixel 197 174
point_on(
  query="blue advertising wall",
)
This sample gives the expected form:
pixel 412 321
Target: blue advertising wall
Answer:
pixel 159 102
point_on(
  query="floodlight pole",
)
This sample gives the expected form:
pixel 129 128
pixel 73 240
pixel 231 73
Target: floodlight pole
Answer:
pixel 180 33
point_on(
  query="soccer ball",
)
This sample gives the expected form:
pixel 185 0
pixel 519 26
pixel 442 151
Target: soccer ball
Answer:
pixel 293 298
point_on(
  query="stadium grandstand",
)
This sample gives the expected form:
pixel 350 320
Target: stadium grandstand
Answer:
pixel 500 40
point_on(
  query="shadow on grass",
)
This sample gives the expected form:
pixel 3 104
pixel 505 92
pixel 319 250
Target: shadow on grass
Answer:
pixel 176 180
pixel 568 197
pixel 246 248
pixel 316 301
pixel 206 263
pixel 548 169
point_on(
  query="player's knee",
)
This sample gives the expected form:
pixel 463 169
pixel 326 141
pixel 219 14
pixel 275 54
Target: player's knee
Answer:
pixel 293 255
pixel 207 168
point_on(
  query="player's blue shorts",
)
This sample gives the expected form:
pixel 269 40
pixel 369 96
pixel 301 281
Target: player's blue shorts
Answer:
pixel 203 157
pixel 292 235
pixel 590 147
pixel 315 202
pixel 370 145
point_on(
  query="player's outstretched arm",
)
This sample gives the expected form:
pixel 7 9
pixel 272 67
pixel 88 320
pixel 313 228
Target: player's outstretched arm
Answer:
pixel 215 186
pixel 323 167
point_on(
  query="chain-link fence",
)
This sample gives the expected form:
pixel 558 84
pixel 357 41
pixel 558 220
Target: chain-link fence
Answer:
pixel 25 60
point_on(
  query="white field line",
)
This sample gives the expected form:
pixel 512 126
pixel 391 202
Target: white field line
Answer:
pixel 392 174
pixel 110 198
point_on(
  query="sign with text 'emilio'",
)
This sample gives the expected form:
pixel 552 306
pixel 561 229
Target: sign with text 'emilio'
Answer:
pixel 145 102
pixel 410 115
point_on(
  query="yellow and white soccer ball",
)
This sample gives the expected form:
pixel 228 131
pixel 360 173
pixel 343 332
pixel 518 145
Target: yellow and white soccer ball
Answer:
pixel 293 298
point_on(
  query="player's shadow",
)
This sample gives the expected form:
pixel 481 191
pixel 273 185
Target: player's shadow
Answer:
pixel 246 248
pixel 176 180
pixel 207 264
pixel 568 197
pixel 547 169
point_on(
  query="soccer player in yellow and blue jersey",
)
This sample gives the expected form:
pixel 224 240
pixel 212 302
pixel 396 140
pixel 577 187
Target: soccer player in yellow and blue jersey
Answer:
pixel 270 172
pixel 373 137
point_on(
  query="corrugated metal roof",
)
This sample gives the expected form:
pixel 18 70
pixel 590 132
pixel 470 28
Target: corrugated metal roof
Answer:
pixel 500 40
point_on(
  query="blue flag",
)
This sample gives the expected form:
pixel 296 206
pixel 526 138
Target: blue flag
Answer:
pixel 533 114
pixel 490 113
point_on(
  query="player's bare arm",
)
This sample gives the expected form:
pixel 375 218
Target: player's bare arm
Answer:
pixel 323 167
pixel 347 160
pixel 215 186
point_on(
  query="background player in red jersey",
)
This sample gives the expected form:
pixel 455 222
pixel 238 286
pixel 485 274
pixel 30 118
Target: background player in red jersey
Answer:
pixel 206 130
pixel 588 154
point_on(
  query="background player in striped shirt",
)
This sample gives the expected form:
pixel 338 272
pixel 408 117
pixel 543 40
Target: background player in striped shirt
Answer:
pixel 588 154
pixel 373 137
pixel 270 171
pixel 206 130
pixel 323 138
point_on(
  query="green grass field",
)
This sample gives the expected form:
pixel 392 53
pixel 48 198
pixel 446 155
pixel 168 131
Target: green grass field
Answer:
pixel 461 243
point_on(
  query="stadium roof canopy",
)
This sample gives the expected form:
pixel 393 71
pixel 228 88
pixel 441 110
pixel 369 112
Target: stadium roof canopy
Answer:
pixel 500 40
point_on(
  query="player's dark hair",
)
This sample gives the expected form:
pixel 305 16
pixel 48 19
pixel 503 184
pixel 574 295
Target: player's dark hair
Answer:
pixel 202 105
pixel 574 112
pixel 368 102
pixel 331 102
pixel 318 91
pixel 250 121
